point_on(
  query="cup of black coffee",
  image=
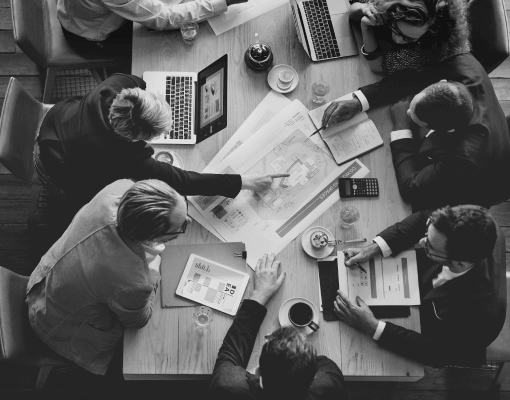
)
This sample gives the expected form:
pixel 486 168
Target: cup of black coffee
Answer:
pixel 301 315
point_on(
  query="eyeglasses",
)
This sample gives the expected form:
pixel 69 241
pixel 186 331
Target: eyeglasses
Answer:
pixel 395 29
pixel 428 247
pixel 185 224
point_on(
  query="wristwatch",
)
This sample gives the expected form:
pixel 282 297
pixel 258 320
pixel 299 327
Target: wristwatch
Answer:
pixel 372 55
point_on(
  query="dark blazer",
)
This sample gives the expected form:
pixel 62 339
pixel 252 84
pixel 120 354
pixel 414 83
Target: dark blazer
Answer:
pixel 82 154
pixel 459 318
pixel 470 166
pixel 230 379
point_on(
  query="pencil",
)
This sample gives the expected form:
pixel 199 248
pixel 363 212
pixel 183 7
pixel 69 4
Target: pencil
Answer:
pixel 320 129
pixel 355 264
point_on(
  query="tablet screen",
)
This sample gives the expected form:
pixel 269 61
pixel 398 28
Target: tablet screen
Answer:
pixel 212 98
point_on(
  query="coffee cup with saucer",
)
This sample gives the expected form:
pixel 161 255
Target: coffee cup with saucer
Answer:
pixel 300 307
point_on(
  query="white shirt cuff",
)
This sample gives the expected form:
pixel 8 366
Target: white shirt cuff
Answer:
pixel 380 328
pixel 401 134
pixel 220 6
pixel 362 99
pixel 385 249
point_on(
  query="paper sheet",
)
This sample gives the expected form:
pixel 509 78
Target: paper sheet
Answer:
pixel 269 221
pixel 238 14
pixel 389 281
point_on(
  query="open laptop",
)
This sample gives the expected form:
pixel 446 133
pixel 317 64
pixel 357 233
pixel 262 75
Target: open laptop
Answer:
pixel 198 101
pixel 323 28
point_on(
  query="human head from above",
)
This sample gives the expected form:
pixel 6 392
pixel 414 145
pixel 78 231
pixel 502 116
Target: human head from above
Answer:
pixel 442 106
pixel 287 364
pixel 136 114
pixel 458 237
pixel 409 20
pixel 152 212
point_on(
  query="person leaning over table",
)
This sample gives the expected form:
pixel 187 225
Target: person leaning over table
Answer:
pixel 86 144
pixel 288 366
pixel 465 155
pixel 101 276
pixel 462 289
pixel 401 35
pixel 104 27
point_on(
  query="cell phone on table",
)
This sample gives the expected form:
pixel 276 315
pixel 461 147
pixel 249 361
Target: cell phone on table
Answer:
pixel 361 187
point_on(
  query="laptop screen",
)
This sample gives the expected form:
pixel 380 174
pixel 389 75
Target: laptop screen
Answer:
pixel 212 98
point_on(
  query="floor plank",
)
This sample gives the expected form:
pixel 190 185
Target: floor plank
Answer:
pixel 31 83
pixel 505 105
pixel 5 18
pixel 502 88
pixel 7 44
pixel 501 213
pixel 17 64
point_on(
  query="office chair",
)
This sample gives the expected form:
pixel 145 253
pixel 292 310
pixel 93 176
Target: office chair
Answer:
pixel 18 342
pixel 38 33
pixel 489 32
pixel 499 350
pixel 19 125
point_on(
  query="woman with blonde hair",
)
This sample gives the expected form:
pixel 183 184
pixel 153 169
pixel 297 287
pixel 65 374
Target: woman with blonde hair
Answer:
pixel 85 144
pixel 403 35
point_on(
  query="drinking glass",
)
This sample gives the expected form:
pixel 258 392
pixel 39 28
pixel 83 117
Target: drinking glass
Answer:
pixel 189 31
pixel 319 90
pixel 348 216
pixel 203 315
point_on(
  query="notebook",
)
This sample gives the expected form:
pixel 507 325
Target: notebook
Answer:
pixel 323 28
pixel 175 258
pixel 198 101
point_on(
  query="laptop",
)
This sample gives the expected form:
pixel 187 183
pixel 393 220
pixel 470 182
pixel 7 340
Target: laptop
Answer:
pixel 323 28
pixel 198 101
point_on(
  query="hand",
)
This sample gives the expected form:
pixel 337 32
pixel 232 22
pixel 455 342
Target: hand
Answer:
pixel 371 16
pixel 230 2
pixel 267 280
pixel 360 255
pixel 358 315
pixel 155 264
pixel 339 111
pixel 399 115
pixel 259 182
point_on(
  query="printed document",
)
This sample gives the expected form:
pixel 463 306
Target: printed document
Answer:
pixel 270 220
pixel 348 139
pixel 389 281
pixel 212 284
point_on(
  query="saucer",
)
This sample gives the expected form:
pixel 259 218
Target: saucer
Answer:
pixel 169 157
pixel 272 78
pixel 312 251
pixel 283 314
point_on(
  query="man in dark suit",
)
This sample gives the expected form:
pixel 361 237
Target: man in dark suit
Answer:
pixel 463 287
pixel 470 164
pixel 288 367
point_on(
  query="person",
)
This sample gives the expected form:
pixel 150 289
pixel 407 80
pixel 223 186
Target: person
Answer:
pixel 86 144
pixel 104 27
pixel 463 308
pixel 288 366
pixel 400 35
pixel 470 164
pixel 101 276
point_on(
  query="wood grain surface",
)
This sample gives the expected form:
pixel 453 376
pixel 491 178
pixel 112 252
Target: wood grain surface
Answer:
pixel 172 346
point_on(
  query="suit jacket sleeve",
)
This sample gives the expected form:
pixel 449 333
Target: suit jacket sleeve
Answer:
pixel 439 182
pixel 406 233
pixel 229 380
pixel 328 383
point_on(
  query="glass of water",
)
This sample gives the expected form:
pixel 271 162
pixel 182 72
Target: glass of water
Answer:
pixel 203 315
pixel 319 91
pixel 189 31
pixel 348 216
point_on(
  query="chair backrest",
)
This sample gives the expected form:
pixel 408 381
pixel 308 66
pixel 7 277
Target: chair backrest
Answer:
pixel 19 122
pixel 499 350
pixel 489 32
pixel 13 342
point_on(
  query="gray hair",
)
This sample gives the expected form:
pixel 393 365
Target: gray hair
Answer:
pixel 145 209
pixel 136 114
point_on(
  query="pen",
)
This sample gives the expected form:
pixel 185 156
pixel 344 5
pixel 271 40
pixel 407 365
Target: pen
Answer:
pixel 320 129
pixel 356 264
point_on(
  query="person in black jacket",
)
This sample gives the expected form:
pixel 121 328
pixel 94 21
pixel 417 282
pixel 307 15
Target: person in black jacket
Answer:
pixel 86 144
pixel 462 287
pixel 470 165
pixel 288 367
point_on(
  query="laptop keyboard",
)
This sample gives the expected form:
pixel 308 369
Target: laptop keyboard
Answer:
pixel 321 29
pixel 179 90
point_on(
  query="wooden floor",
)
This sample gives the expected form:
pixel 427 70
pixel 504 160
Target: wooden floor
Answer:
pixel 20 252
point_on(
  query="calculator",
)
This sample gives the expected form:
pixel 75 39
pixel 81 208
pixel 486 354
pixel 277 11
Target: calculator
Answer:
pixel 363 187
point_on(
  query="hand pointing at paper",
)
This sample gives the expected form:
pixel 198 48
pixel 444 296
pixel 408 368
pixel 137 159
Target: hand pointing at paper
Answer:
pixel 259 182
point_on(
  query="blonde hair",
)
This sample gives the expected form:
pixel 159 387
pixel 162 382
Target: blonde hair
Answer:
pixel 136 114
pixel 145 209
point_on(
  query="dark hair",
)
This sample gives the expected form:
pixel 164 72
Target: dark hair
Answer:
pixel 287 364
pixel 445 105
pixel 145 209
pixel 470 231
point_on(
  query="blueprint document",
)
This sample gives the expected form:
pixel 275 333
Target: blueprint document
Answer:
pixel 389 281
pixel 270 220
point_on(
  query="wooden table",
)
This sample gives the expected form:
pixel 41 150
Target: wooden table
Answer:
pixel 171 346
